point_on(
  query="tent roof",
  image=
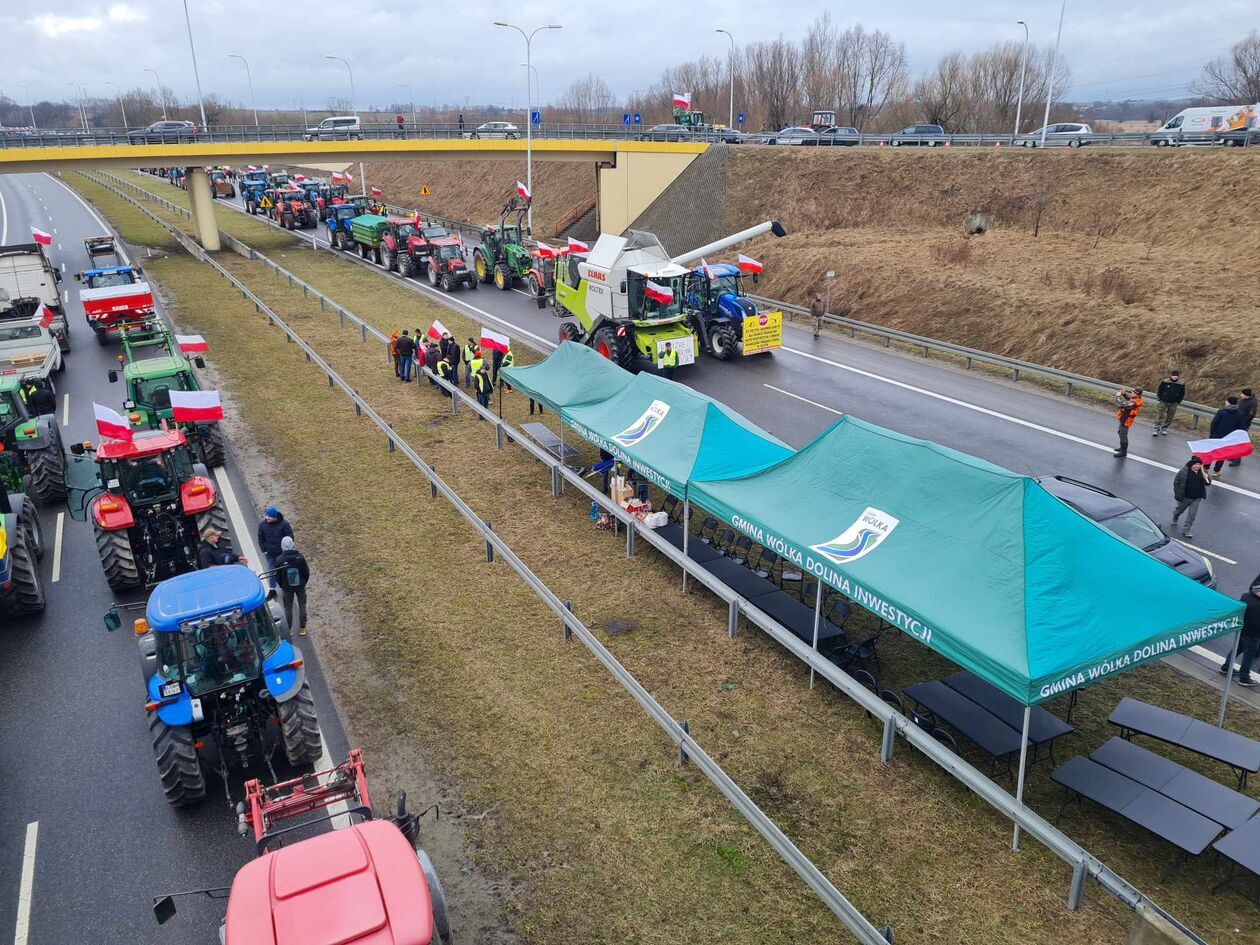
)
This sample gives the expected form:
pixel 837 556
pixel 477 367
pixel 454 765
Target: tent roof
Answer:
pixel 572 374
pixel 671 434
pixel 977 562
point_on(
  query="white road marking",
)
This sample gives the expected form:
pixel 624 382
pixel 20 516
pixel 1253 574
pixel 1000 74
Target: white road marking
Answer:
pixel 59 244
pixel 1208 655
pixel 63 267
pixel 242 534
pixel 812 403
pixel 4 221
pixel 1210 554
pixel 56 568
pixel 65 295
pixel 122 253
pixel 26 887
pixel 65 410
pixel 1002 416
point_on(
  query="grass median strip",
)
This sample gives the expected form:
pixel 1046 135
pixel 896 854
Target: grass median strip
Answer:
pixel 618 824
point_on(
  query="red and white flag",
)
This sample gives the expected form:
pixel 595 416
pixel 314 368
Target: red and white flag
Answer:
pixel 493 341
pixel 338 178
pixel 349 177
pixel 706 268
pixel 298 177
pixel 196 406
pixel 522 190
pixel 577 246
pixel 45 316
pixel 682 100
pixel 40 237
pixel 192 344
pixel 545 251
pixel 437 330
pixel 658 293
pixel 251 168
pixel 111 425
pixel 748 264
pixel 376 191
pixel 1231 446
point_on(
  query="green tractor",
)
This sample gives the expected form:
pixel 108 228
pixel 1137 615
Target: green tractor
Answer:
pixel 152 366
pixel 30 446
pixel 502 257
pixel 21 544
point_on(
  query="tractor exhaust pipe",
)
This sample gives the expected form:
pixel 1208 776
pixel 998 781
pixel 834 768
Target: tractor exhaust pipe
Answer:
pixel 770 226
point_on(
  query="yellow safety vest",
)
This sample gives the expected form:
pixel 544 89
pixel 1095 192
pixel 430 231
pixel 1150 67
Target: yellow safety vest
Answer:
pixel 476 364
pixel 469 353
pixel 507 360
pixel 483 383
pixel 671 358
pixel 444 368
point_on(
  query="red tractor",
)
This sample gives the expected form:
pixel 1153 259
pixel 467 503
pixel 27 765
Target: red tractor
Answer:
pixel 406 244
pixel 447 266
pixel 291 210
pixel 365 883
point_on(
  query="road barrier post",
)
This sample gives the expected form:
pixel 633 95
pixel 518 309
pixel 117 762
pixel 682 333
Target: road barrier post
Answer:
pixel 489 547
pixel 682 748
pixel 564 626
pixel 890 731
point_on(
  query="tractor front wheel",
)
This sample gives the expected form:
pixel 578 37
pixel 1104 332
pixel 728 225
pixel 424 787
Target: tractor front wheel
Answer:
pixel 481 267
pixel 212 446
pixel 502 278
pixel 535 286
pixel 406 266
pixel 26 587
pixel 183 781
pixel 448 284
pixel 35 531
pixel 117 558
pixel 569 332
pixel 303 743
pixel 48 473
pixel 723 341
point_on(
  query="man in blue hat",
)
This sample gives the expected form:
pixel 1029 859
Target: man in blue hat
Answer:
pixel 272 530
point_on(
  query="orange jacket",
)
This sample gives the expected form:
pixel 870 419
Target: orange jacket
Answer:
pixel 1127 415
pixel 393 343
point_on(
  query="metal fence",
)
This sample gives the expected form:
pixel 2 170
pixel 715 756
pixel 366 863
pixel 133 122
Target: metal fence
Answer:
pixel 1084 864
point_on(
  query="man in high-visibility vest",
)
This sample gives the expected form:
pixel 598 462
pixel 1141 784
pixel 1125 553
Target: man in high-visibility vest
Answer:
pixel 444 368
pixel 669 361
pixel 508 360
pixel 477 361
pixel 484 387
pixel 1128 406
pixel 470 352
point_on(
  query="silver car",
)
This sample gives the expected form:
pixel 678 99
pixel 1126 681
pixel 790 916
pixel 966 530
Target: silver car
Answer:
pixel 494 129
pixel 1071 134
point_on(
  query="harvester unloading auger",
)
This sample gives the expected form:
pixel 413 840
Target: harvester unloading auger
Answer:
pixel 628 296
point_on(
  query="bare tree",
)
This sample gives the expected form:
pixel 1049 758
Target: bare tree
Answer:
pixel 774 70
pixel 1234 77
pixel 883 74
pixel 978 93
pixel 942 94
pixel 339 106
pixel 588 99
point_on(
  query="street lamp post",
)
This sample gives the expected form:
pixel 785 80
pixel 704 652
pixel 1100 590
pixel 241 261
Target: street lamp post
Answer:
pixel 1054 64
pixel 529 113
pixel 250 79
pixel 353 108
pixel 1023 66
pixel 161 93
pixel 82 112
pixel 730 120
pixel 411 97
pixel 121 106
pixel 532 71
pixel 201 102
pixel 30 104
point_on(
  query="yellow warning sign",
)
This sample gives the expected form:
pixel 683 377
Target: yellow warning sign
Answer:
pixel 265 203
pixel 763 332
pixel 424 191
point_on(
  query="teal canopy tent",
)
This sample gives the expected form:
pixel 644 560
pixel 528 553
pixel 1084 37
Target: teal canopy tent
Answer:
pixel 572 374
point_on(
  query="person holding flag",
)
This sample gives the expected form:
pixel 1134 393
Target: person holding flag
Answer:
pixel 498 346
pixel 469 352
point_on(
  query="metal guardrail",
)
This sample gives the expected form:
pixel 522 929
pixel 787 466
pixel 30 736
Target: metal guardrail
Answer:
pixel 1084 864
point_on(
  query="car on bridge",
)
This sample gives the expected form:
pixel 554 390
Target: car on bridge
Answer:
pixel 340 127
pixel 917 135
pixel 1071 134
pixel 494 129
pixel 799 134
pixel 164 132
pixel 666 132
pixel 837 136
pixel 1127 522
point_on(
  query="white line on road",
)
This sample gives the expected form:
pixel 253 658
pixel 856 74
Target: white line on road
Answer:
pixel 1208 655
pixel 122 253
pixel 65 411
pixel 242 534
pixel 4 222
pixel 63 267
pixel 26 887
pixel 58 245
pixel 65 295
pixel 1210 554
pixel 56 568
pixel 813 403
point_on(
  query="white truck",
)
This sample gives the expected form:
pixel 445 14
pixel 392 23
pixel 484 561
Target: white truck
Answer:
pixel 28 350
pixel 27 280
pixel 1202 125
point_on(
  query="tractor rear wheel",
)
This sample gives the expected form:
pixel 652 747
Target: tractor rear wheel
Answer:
pixel 251 207
pixel 481 267
pixel 502 278
pixel 387 258
pixel 616 348
pixel 569 332
pixel 48 473
pixel 287 222
pixel 35 531
pixel 216 519
pixel 117 558
pixel 434 276
pixel 303 743
pixel 723 341
pixel 26 586
pixel 183 781
pixel 212 446
pixel 406 266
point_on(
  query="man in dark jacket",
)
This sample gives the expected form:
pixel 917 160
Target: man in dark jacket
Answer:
pixel 294 575
pixel 406 348
pixel 41 400
pixel 1225 421
pixel 1249 639
pixel 1247 407
pixel 484 387
pixel 210 553
pixel 431 358
pixel 1170 393
pixel 1190 487
pixel 455 353
pixel 271 531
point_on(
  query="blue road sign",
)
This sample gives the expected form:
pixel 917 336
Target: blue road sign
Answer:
pixel 625 119
pixel 638 119
pixel 741 118
pixel 535 118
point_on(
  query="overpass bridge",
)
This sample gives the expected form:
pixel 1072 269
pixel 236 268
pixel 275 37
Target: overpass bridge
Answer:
pixel 630 174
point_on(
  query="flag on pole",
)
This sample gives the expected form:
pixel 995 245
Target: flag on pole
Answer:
pixel 682 100
pixel 437 330
pixel 45 316
pixel 658 293
pixel 376 191
pixel 748 264
pixel 522 190
pixel 349 177
pixel 337 178
pixel 196 406
pixel 111 425
pixel 192 344
pixel 545 251
pixel 40 237
pixel 1231 446
pixel 299 177
pixel 577 246
pixel 494 341
pixel 706 268
pixel 251 167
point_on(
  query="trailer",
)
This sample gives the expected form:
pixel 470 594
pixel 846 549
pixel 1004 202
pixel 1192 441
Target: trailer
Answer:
pixel 28 280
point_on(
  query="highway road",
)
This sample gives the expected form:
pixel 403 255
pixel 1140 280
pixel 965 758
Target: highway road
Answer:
pixel 75 757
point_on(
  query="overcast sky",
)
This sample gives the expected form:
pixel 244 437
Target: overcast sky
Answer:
pixel 1116 48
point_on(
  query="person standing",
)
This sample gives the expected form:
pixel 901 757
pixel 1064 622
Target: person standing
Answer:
pixel 444 369
pixel 1247 407
pixel 431 358
pixel 485 386
pixel 669 361
pixel 469 352
pixel 1128 406
pixel 294 575
pixel 210 554
pixel 816 312
pixel 1224 422
pixel 271 531
pixel 399 120
pixel 477 359
pixel 406 351
pixel 496 362
pixel 41 400
pixel 461 121
pixel 393 350
pixel 1170 393
pixel 1249 636
pixel 1190 487
pixel 508 360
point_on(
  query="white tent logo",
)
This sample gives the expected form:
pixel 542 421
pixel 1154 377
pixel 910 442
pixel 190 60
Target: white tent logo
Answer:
pixel 642 428
pixel 860 538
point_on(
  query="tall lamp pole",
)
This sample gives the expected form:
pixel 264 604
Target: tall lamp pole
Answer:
pixel 30 104
pixel 411 97
pixel 1023 66
pixel 250 79
pixel 82 112
pixel 353 108
pixel 529 114
pixel 1054 64
pixel 201 102
pixel 161 93
pixel 730 120
pixel 121 106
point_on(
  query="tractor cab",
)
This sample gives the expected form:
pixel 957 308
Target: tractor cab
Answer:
pixel 343 211
pixel 646 303
pixel 253 178
pixel 30 447
pixel 156 470
pixel 149 385
pixel 279 179
pixel 108 277
pixel 312 191
pixel 502 257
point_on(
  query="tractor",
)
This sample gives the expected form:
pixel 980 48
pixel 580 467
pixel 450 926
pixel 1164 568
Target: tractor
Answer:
pixel 113 298
pixel 502 257
pixel 366 880
pixel 340 235
pixel 221 184
pixel 152 366
pixel 446 266
pixel 713 298
pixel 30 446
pixel 313 191
pixel 224 685
pixel 405 244
pixel 151 501
pixel 290 209
pixel 252 192
pixel 21 544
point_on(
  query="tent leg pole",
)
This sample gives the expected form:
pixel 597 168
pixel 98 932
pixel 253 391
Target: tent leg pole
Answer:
pixel 818 596
pixel 562 451
pixel 1229 676
pixel 732 619
pixel 1023 762
pixel 686 536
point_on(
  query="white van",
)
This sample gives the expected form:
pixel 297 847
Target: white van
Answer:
pixel 339 126
pixel 1193 126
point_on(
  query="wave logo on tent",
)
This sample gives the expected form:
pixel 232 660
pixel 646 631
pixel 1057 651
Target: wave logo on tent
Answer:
pixel 648 422
pixel 860 538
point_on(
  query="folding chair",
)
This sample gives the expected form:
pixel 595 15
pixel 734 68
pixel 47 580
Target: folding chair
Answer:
pixel 709 525
pixel 765 566
pixel 741 550
pixel 670 506
pixel 723 541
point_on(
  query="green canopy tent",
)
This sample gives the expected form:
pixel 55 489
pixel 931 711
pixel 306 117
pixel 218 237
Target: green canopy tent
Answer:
pixel 572 374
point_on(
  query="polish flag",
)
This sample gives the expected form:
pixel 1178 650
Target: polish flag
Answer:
pixel 192 344
pixel 45 316
pixel 748 264
pixel 437 330
pixel 658 293
pixel 338 178
pixel 298 177
pixel 494 341
pixel 1231 446
pixel 111 425
pixel 545 251
pixel 682 100
pixel 196 406
pixel 349 177
pixel 40 237
pixel 706 268
pixel 251 168
pixel 522 190
pixel 577 246
pixel 376 191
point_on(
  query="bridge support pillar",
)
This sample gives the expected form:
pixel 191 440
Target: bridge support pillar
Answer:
pixel 204 223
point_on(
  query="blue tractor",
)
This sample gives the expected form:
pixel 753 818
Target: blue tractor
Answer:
pixel 717 307
pixel 253 185
pixel 340 235
pixel 225 686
